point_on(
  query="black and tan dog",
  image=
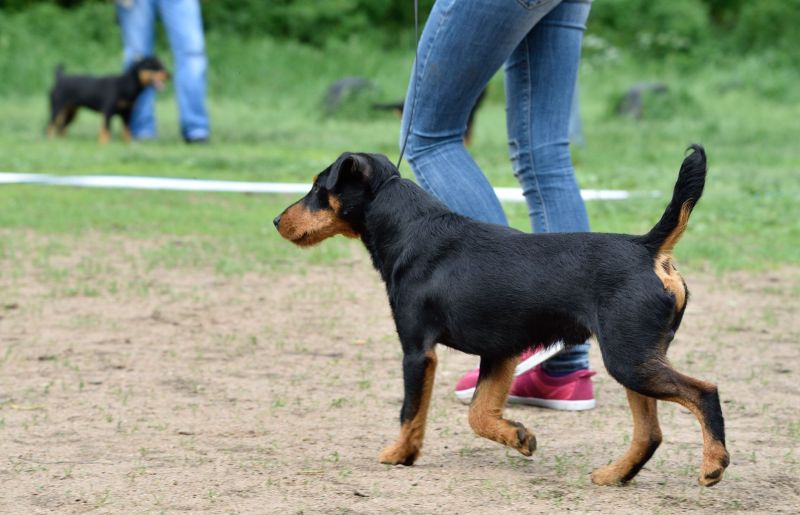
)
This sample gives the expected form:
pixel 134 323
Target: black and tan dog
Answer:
pixel 493 291
pixel 110 96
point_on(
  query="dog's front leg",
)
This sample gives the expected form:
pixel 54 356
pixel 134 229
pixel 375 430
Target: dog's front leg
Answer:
pixel 486 409
pixel 126 125
pixel 105 129
pixel 419 369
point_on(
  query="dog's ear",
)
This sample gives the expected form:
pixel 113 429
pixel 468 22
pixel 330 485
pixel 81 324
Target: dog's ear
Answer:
pixel 348 168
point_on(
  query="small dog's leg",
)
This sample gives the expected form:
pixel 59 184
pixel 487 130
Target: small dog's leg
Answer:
pixel 419 370
pixel 105 134
pixel 58 125
pixel 646 439
pixel 486 409
pixel 654 377
pixel 702 399
pixel 126 126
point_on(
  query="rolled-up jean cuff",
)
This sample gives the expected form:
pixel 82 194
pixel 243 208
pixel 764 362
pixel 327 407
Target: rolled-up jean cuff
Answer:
pixel 574 357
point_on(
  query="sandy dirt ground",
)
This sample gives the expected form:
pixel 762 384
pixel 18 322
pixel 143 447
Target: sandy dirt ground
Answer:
pixel 127 388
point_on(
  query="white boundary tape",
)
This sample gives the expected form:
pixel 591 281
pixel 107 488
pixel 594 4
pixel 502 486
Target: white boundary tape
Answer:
pixel 176 184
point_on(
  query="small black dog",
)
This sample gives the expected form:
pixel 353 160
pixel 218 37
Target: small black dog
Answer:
pixel 111 95
pixel 493 291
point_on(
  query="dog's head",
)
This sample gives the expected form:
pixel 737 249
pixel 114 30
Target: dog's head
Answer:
pixel 150 72
pixel 337 200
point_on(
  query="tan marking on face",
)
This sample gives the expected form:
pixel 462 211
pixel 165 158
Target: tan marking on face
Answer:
pixel 335 203
pixel 153 77
pixel 406 449
pixel 305 228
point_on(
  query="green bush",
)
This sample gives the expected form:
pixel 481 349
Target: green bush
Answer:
pixel 34 41
pixel 770 25
pixel 651 27
pixel 306 21
pixel 311 21
pixel 724 13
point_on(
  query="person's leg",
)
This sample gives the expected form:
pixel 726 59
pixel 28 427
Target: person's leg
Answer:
pixel 463 44
pixel 575 123
pixel 540 81
pixel 184 26
pixel 137 24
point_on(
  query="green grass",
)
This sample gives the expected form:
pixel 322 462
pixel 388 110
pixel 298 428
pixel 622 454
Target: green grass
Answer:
pixel 268 126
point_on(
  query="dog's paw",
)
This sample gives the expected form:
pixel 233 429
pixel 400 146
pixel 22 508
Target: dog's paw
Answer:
pixel 607 476
pixel 399 453
pixel 713 468
pixel 525 440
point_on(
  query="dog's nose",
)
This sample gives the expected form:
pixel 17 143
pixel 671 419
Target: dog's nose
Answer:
pixel 277 220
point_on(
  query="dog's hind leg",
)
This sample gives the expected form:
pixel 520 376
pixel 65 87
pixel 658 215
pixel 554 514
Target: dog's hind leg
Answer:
pixel 645 370
pixel 645 441
pixel 702 399
pixel 486 409
pixel 419 369
pixel 54 112
pixel 57 124
pixel 69 115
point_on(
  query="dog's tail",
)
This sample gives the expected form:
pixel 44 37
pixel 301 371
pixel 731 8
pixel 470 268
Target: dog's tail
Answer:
pixel 59 71
pixel 665 235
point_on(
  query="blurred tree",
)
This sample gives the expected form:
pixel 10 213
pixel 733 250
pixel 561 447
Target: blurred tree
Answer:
pixel 648 27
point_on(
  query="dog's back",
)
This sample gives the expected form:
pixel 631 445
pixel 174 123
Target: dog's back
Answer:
pixel 81 90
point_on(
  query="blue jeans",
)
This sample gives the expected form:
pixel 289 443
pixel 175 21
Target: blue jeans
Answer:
pixel 462 46
pixel 184 27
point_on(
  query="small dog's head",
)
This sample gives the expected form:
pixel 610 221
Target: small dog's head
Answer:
pixel 150 72
pixel 337 200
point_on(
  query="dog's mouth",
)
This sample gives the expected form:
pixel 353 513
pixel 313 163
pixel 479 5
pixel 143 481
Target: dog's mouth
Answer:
pixel 303 240
pixel 159 79
pixel 154 78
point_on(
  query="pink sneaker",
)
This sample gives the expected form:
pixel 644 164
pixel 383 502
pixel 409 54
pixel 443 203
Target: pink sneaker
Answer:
pixel 572 392
pixel 534 387
pixel 527 361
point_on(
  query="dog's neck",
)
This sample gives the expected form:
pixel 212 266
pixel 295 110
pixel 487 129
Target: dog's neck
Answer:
pixel 390 222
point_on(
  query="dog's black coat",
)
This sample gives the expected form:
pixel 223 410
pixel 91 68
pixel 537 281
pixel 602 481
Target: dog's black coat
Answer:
pixel 109 95
pixel 494 291
pixel 455 281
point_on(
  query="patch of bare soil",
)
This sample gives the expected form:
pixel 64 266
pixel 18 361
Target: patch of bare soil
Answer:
pixel 181 390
